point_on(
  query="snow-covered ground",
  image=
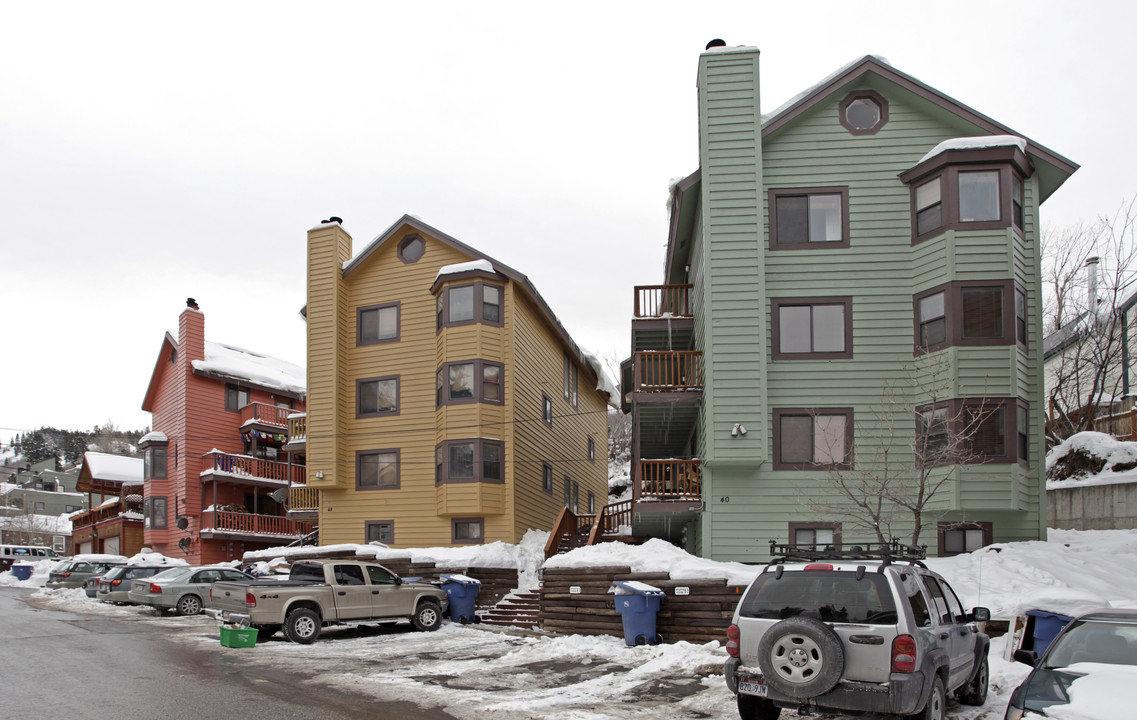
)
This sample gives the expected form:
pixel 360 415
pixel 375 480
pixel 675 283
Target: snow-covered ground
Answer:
pixel 482 672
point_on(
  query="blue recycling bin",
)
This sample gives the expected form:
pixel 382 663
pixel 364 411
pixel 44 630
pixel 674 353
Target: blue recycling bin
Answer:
pixel 462 593
pixel 1043 627
pixel 22 572
pixel 638 604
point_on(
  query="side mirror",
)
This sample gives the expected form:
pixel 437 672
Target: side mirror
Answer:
pixel 980 614
pixel 1026 657
pixel 398 580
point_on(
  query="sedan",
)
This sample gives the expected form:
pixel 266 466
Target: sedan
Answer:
pixel 1090 668
pixel 184 590
pixel 75 572
pixel 114 587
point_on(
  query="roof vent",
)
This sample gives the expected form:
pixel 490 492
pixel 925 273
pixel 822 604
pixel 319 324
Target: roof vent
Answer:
pixel 191 303
pixel 717 42
pixel 332 219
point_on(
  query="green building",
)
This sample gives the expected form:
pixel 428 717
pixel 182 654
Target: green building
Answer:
pixel 851 309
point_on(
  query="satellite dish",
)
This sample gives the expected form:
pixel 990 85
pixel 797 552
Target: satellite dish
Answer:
pixel 183 522
pixel 279 495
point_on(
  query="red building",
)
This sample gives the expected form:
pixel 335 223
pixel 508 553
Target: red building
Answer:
pixel 217 476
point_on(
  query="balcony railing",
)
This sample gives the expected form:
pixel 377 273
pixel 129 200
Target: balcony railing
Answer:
pixel 266 414
pixel 303 499
pixel 106 512
pixel 298 427
pixel 667 371
pixel 241 466
pixel 252 524
pixel 672 479
pixel 660 301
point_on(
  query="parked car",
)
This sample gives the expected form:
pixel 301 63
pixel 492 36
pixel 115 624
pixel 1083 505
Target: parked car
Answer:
pixel 114 586
pixel 319 593
pixel 11 554
pixel 74 572
pixel 1104 638
pixel 184 590
pixel 865 629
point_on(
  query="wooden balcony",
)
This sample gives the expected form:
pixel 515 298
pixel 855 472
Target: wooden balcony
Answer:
pixel 662 301
pixel 218 524
pixel 245 470
pixel 297 429
pixel 104 513
pixel 303 502
pixel 671 480
pixel 264 414
pixel 663 371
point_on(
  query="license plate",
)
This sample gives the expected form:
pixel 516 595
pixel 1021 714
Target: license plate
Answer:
pixel 752 688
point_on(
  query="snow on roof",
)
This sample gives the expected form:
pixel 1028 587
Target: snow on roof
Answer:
pixel 262 370
pixel 465 267
pixel 975 143
pixel 604 381
pixel 153 436
pixel 116 468
pixel 58 524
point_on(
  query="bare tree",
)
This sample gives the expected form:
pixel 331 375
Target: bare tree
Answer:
pixel 1093 301
pixel 906 454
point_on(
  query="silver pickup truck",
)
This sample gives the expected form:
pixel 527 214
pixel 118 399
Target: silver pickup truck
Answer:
pixel 328 592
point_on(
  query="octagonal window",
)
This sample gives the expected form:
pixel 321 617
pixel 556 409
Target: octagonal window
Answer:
pixel 864 112
pixel 411 249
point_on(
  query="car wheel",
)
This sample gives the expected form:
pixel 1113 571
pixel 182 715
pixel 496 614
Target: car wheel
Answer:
pixel 936 706
pixel 189 605
pixel 428 616
pixel 975 692
pixel 756 708
pixel 302 626
pixel 801 657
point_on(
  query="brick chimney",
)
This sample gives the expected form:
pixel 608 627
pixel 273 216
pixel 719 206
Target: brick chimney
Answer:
pixel 191 332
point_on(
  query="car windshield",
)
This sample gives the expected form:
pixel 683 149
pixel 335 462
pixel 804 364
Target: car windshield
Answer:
pixel 114 573
pixel 63 566
pixel 830 596
pixel 1112 643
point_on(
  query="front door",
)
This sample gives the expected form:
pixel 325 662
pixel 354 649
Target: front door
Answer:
pixel 353 594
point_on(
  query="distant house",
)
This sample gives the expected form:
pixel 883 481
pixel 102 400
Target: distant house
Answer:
pixel 113 524
pixel 216 474
pixel 872 230
pixel 40 489
pixel 446 403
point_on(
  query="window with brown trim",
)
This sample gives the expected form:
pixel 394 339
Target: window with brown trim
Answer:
pixel 547 409
pixel 469 381
pixel 1022 429
pixel 411 249
pixel 954 538
pixel 809 218
pixel 591 503
pixel 977 189
pixel 235 397
pixel 547 477
pixel 812 328
pixel 1020 316
pixel 815 535
pixel 379 531
pixel 575 385
pixel 863 112
pixel 377 324
pixel 807 439
pixel 470 460
pixel 377 469
pixel 971 431
pixel 967 312
pixel 591 449
pixel 467 531
pixel 376 397
pixel 468 303
pixel 568 492
pixel 567 380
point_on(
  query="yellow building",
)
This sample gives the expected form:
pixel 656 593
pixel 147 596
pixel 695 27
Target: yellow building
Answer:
pixel 446 403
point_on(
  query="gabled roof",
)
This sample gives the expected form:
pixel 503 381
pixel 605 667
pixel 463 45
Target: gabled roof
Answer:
pixel 106 473
pixel 408 221
pixel 1055 168
pixel 168 344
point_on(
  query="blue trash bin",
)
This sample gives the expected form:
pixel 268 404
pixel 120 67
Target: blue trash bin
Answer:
pixel 462 594
pixel 638 604
pixel 1043 627
pixel 22 572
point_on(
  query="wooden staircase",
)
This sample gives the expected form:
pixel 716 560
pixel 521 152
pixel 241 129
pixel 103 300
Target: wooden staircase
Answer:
pixel 570 531
pixel 515 609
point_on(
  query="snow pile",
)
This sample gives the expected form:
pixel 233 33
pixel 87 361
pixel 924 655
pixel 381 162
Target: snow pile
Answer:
pixel 656 556
pixel 148 557
pixel 40 571
pixel 1091 458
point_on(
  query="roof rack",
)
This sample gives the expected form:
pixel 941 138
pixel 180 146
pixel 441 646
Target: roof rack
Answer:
pixel 887 552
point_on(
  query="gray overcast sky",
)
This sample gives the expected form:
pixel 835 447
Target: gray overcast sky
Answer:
pixel 151 152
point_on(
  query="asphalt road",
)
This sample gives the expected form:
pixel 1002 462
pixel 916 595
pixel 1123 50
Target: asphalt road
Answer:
pixel 80 667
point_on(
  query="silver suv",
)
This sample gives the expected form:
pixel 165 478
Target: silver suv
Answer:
pixel 863 629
